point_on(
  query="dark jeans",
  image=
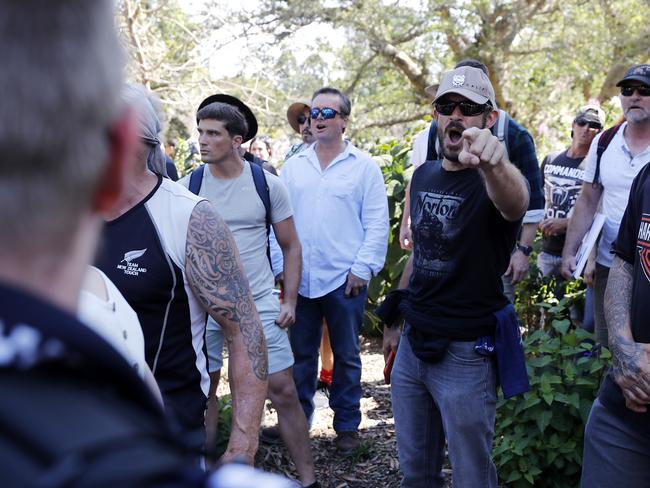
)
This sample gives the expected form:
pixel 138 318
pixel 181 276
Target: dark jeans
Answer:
pixel 453 398
pixel 344 319
pixel 600 283
pixel 615 454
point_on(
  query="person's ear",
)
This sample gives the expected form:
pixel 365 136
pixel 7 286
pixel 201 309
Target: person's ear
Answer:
pixel 346 119
pixel 492 118
pixel 122 136
pixel 237 141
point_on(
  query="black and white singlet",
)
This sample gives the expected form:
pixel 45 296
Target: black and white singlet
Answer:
pixel 143 253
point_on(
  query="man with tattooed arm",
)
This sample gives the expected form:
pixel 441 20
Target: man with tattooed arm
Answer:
pixel 174 259
pixel 617 436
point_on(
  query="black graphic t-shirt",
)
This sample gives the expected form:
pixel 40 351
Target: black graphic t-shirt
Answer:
pixel 462 246
pixel 562 178
pixel 633 245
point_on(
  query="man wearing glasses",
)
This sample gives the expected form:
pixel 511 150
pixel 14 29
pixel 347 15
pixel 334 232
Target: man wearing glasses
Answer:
pixel 466 210
pixel 562 175
pixel 616 451
pixel 341 215
pixel 626 154
pixel 520 151
pixel 298 118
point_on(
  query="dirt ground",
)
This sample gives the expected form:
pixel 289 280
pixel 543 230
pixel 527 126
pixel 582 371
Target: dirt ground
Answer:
pixel 375 463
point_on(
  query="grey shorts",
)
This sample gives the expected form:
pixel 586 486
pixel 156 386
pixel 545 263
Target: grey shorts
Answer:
pixel 277 338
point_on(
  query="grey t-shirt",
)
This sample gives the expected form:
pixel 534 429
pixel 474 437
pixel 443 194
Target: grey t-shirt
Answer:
pixel 238 203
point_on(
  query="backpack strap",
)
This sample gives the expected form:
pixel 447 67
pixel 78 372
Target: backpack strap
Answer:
pixel 604 140
pixel 262 188
pixel 196 179
pixel 432 146
pixel 502 125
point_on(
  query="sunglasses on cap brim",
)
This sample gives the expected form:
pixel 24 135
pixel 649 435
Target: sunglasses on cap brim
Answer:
pixel 591 124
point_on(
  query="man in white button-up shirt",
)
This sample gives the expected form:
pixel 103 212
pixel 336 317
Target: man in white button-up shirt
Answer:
pixel 341 214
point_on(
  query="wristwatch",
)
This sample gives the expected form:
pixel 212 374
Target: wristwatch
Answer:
pixel 526 250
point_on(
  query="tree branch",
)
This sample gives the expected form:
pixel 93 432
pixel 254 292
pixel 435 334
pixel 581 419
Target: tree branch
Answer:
pixel 359 74
pixel 404 63
pixel 396 121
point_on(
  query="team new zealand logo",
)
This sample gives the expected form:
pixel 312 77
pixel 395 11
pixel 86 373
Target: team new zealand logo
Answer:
pixel 131 267
pixel 131 255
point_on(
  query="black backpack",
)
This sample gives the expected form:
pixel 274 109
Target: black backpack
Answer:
pixel 605 138
pixel 261 186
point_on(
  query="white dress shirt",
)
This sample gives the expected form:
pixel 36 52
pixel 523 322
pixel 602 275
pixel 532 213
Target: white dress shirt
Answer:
pixel 420 147
pixel 341 215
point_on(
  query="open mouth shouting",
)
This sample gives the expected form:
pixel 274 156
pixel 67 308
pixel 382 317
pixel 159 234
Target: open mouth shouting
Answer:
pixel 454 134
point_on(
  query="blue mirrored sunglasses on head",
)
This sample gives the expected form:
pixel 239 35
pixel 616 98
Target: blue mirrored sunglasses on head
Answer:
pixel 326 112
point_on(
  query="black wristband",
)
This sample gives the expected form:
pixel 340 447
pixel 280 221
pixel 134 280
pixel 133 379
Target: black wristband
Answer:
pixel 526 250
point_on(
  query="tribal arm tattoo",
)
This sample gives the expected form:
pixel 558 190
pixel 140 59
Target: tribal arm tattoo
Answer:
pixel 217 278
pixel 629 359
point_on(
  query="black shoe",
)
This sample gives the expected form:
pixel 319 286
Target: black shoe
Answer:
pixel 271 435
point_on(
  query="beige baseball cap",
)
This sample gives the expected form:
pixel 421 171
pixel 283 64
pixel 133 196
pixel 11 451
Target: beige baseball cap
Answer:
pixel 591 113
pixel 471 83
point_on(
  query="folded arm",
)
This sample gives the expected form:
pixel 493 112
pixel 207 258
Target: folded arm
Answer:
pixel 579 223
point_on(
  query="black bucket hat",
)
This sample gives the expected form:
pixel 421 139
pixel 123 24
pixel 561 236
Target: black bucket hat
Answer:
pixel 251 121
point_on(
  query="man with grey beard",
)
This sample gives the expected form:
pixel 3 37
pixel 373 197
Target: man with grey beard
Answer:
pixel 465 214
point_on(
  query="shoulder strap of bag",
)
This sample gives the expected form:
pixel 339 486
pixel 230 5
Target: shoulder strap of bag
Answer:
pixel 604 140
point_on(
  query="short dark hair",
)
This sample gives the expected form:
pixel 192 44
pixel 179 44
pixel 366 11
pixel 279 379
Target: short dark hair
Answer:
pixel 233 119
pixel 346 105
pixel 473 63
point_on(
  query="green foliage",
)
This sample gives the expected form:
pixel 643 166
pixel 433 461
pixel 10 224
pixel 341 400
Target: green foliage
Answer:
pixel 546 58
pixel 185 158
pixel 539 436
pixel 393 158
pixel 225 422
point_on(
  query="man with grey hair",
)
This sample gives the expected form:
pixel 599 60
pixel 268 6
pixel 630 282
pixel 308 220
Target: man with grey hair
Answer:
pixel 74 410
pixel 465 214
pixel 615 157
pixel 156 241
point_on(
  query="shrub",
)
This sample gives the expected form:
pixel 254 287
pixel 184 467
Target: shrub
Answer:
pixel 539 436
pixel 225 422
pixel 392 158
